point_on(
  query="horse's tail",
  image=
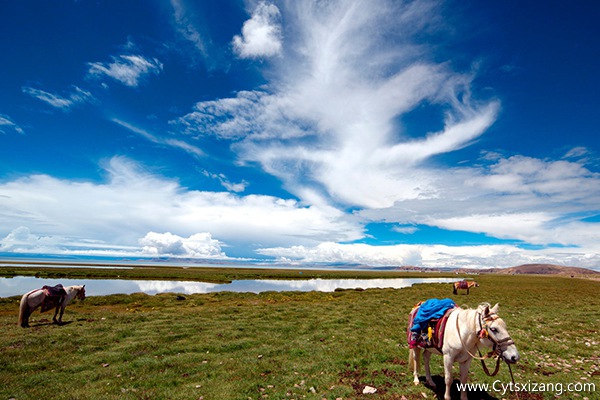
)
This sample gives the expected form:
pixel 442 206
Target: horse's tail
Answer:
pixel 24 311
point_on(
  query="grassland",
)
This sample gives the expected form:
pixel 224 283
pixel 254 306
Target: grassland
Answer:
pixel 288 345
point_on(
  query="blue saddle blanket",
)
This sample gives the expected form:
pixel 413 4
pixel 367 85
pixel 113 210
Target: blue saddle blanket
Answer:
pixel 430 309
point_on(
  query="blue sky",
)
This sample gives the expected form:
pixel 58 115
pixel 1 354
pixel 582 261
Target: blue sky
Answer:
pixel 363 132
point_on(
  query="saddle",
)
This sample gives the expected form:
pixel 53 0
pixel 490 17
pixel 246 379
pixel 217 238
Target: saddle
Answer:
pixel 431 334
pixel 54 295
pixel 463 284
pixel 54 291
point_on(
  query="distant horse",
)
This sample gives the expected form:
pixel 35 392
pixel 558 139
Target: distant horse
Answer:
pixel 48 297
pixel 466 329
pixel 464 284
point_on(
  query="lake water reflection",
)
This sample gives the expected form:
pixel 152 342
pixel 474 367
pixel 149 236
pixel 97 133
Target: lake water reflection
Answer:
pixel 100 287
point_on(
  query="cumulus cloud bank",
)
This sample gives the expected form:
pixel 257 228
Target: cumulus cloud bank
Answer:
pixel 134 202
pixel 482 256
pixel 199 245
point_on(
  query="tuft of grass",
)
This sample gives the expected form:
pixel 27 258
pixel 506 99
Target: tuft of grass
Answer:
pixel 288 345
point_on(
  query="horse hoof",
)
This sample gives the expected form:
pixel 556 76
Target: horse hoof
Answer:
pixel 431 384
pixel 416 383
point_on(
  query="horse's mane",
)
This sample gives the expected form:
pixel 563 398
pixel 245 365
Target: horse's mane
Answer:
pixel 480 305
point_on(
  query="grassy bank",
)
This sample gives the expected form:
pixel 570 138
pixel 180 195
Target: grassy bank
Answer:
pixel 285 345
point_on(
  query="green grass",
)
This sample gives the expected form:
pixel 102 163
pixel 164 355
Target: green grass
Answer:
pixel 289 345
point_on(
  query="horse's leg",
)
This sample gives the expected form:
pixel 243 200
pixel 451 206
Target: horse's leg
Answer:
pixel 55 314
pixel 25 311
pixel 24 318
pixel 426 358
pixel 454 289
pixel 448 361
pixel 415 357
pixel 62 311
pixel 464 374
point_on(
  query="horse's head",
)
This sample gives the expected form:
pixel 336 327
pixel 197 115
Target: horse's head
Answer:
pixel 81 293
pixel 475 284
pixel 493 333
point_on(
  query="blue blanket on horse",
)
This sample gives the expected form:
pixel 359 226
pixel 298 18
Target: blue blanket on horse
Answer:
pixel 430 309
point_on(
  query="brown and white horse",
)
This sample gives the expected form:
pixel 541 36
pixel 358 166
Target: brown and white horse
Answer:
pixel 466 330
pixel 32 300
pixel 464 284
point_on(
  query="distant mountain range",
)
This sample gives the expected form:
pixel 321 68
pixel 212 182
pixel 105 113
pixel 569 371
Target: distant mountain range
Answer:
pixel 534 269
pixel 546 269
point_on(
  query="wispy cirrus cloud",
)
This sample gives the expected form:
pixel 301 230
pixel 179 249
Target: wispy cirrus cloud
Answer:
pixel 129 70
pixel 328 119
pixel 180 144
pixel 261 34
pixel 8 125
pixel 75 97
pixel 186 27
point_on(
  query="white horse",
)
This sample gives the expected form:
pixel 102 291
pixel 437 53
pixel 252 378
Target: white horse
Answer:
pixel 32 300
pixel 466 329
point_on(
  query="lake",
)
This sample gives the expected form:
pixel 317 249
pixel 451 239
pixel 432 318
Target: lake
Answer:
pixel 100 287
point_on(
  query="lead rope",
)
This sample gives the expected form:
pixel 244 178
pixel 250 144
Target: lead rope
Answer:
pixel 488 355
pixel 513 380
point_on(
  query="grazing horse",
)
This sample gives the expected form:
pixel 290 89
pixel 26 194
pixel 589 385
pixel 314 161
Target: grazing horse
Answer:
pixel 466 330
pixel 48 297
pixel 464 284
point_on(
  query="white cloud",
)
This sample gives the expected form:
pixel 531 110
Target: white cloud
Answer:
pixel 7 125
pixel 186 28
pixel 21 240
pixel 226 183
pixel 520 198
pixel 176 143
pixel 435 256
pixel 133 202
pixel 126 69
pixel 199 245
pixel 76 97
pixel 328 120
pixel 261 34
pixel 329 124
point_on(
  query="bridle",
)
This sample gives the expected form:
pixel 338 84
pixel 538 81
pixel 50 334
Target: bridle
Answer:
pixel 80 294
pixel 484 333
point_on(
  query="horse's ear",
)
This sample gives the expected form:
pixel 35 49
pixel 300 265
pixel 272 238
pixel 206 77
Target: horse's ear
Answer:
pixel 494 309
pixel 486 310
pixel 83 286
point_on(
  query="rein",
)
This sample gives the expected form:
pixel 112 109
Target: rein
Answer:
pixel 495 353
